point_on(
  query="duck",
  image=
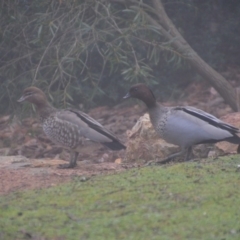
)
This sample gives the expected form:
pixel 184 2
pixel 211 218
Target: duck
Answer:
pixel 183 126
pixel 67 127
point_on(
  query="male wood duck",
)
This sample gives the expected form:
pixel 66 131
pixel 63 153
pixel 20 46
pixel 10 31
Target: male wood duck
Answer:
pixel 183 126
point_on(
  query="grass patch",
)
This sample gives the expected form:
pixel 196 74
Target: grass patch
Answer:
pixel 182 201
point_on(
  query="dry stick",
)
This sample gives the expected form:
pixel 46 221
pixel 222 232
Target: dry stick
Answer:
pixel 215 79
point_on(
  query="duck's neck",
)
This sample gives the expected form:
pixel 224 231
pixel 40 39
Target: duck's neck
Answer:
pixel 149 99
pixel 151 105
pixel 150 102
pixel 157 114
pixel 45 110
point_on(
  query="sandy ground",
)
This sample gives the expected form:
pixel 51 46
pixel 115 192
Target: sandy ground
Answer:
pixel 19 173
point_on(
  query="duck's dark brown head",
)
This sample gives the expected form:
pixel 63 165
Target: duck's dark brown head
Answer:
pixel 35 96
pixel 142 92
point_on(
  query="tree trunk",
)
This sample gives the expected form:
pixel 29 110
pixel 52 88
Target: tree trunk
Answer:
pixel 208 73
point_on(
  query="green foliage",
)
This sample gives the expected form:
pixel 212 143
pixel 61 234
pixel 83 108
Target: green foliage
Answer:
pixel 84 51
pixel 91 51
pixel 183 201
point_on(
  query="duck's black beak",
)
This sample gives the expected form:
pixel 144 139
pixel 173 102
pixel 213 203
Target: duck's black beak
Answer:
pixel 128 95
pixel 21 99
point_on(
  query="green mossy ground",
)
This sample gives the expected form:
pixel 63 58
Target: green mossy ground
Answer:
pixel 195 200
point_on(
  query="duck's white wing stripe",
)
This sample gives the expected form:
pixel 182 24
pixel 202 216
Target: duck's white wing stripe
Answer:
pixel 88 118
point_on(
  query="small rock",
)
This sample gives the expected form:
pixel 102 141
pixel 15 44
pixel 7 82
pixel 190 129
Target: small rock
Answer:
pixel 118 161
pixel 143 142
pixel 222 148
pixel 238 168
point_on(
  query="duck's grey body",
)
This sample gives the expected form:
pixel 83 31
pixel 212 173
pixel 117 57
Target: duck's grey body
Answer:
pixel 66 129
pixel 184 126
pixel 188 126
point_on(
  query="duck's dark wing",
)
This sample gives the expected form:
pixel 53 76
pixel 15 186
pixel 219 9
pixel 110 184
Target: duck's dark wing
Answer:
pixel 114 144
pixel 208 118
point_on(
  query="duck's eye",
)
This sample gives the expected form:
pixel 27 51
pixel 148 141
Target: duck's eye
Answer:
pixel 135 89
pixel 28 94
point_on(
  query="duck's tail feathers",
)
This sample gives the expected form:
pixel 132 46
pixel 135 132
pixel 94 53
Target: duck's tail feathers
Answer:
pixel 114 145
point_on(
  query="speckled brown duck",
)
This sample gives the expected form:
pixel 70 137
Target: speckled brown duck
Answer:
pixel 183 126
pixel 67 127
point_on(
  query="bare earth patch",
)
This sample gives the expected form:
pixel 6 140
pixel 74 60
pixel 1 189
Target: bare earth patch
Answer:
pixel 20 174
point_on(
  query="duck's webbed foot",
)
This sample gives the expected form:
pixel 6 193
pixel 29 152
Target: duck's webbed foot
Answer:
pixel 67 165
pixel 172 156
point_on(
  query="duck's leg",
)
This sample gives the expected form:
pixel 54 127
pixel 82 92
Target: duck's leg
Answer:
pixel 73 161
pixel 188 154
